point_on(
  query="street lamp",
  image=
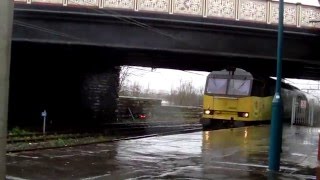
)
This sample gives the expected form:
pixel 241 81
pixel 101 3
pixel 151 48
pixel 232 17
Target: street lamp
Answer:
pixel 276 121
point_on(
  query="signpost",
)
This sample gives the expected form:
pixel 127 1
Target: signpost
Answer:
pixel 44 115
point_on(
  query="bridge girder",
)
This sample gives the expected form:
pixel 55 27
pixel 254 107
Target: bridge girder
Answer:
pixel 163 41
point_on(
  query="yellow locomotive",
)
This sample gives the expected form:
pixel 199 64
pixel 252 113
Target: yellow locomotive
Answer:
pixel 235 97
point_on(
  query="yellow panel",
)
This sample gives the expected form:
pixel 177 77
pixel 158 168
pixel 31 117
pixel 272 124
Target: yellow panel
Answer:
pixel 259 108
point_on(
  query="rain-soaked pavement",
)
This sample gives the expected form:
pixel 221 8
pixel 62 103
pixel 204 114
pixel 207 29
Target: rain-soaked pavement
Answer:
pixel 240 153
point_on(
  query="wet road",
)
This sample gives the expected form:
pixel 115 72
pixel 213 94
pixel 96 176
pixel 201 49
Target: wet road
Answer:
pixel 240 153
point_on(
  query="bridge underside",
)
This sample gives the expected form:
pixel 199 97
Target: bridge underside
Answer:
pixel 165 41
pixel 84 55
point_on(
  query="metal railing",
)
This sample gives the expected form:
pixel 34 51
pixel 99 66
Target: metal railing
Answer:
pixel 256 11
pixel 307 113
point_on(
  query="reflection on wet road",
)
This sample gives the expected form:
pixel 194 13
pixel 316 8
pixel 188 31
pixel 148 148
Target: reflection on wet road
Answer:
pixel 240 153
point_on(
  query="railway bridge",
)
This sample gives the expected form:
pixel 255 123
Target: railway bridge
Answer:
pixel 64 52
pixel 167 33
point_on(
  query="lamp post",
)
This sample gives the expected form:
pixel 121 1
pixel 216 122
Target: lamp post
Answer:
pixel 276 121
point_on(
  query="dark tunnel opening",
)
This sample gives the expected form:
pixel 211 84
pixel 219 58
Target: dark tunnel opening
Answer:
pixel 77 89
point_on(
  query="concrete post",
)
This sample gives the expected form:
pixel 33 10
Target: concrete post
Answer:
pixel 6 17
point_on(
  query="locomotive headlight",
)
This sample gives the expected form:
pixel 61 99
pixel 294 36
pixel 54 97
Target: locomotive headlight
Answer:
pixel 207 111
pixel 243 114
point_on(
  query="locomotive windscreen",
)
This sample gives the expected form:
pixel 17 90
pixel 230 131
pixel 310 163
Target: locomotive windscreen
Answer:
pixel 238 87
pixel 238 83
pixel 217 86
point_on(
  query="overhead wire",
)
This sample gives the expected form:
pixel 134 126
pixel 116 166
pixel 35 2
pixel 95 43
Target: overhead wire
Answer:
pixel 28 25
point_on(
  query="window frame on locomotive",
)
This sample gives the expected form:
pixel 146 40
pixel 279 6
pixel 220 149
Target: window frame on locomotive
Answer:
pixel 229 76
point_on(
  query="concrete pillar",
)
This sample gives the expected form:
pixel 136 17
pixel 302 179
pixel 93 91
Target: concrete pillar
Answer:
pixel 100 92
pixel 6 15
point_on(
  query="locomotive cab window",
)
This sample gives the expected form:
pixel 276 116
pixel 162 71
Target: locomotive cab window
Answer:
pixel 239 87
pixel 259 89
pixel 217 86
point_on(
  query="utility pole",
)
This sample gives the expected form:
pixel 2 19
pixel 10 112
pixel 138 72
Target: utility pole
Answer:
pixel 6 18
pixel 276 121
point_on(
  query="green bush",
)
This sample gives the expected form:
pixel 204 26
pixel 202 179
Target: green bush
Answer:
pixel 18 131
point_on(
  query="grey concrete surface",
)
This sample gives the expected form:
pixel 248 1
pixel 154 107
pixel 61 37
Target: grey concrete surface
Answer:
pixel 240 153
pixel 6 17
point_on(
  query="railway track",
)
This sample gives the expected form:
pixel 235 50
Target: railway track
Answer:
pixel 118 129
pixel 147 128
pixel 113 132
pixel 47 137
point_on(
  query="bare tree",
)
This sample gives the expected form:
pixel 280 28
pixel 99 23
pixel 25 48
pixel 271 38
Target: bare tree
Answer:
pixel 135 89
pixel 186 95
pixel 124 74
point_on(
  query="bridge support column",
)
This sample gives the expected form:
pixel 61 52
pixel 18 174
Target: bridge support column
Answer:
pixel 6 16
pixel 99 95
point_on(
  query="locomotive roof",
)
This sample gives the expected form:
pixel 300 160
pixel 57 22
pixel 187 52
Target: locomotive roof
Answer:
pixel 243 73
pixel 237 72
pixel 285 85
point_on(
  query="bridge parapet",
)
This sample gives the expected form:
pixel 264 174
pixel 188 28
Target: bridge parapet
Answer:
pixel 255 11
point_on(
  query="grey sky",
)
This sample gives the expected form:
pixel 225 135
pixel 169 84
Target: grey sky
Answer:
pixel 166 79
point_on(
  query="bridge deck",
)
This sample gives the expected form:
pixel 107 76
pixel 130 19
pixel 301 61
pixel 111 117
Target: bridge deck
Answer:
pixel 254 11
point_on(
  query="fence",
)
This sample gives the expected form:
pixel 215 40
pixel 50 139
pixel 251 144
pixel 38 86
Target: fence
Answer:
pixel 305 111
